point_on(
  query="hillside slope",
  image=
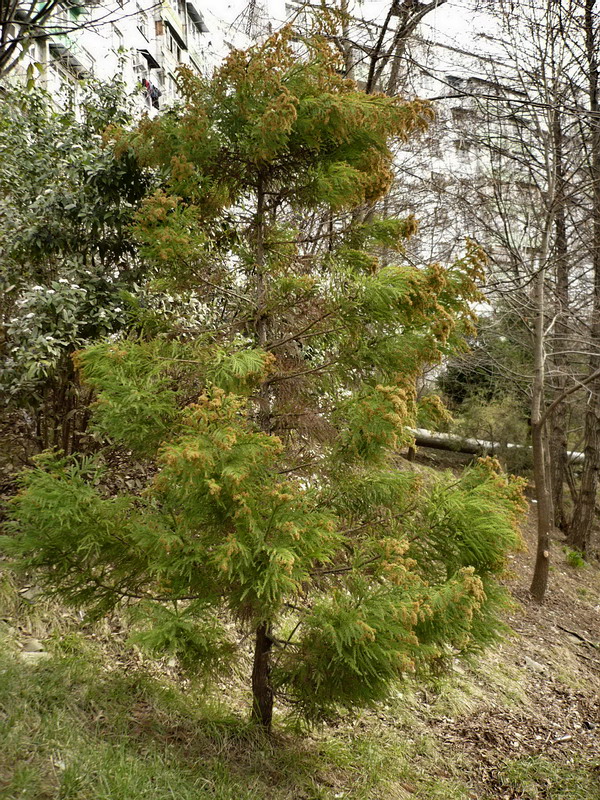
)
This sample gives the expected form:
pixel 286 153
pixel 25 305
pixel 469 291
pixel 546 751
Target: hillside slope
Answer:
pixel 84 717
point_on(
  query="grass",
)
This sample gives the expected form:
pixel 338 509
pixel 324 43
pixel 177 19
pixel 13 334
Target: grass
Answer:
pixel 574 558
pixel 539 778
pixel 70 730
pixel 80 726
pixel 77 726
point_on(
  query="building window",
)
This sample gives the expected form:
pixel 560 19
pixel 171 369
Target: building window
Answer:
pixel 172 45
pixel 462 145
pixel 41 51
pixel 195 23
pixel 117 38
pixel 62 85
pixel 89 61
pixel 142 23
pixel 195 67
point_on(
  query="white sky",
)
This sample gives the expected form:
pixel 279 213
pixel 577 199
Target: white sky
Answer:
pixel 454 24
pixel 451 19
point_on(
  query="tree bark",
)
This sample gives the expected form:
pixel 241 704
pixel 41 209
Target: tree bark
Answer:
pixel 346 43
pixel 539 581
pixel 580 531
pixel 558 423
pixel 262 691
pixel 408 14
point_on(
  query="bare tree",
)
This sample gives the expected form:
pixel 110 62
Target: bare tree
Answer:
pixel 580 529
pixel 531 203
pixel 20 24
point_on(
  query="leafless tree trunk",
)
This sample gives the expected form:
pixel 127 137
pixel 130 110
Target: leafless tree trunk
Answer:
pixel 559 420
pixel 583 516
pixel 540 445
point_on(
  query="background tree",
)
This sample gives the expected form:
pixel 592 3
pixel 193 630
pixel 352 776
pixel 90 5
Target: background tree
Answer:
pixel 529 164
pixel 587 83
pixel 376 51
pixel 20 24
pixel 529 128
pixel 277 498
pixel 68 256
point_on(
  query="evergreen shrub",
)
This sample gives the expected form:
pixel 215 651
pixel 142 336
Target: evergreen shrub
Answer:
pixel 276 508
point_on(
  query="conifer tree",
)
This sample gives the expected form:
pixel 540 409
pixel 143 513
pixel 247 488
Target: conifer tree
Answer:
pixel 277 507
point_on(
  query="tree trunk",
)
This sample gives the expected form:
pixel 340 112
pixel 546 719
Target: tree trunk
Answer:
pixel 580 531
pixel 377 59
pixel 262 691
pixel 346 42
pixel 408 14
pixel 559 463
pixel 539 581
pixel 558 424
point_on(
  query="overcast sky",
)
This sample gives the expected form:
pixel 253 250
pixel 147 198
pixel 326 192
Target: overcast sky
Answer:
pixel 454 24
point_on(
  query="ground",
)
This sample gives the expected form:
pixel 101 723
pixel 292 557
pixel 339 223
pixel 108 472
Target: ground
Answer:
pixel 84 717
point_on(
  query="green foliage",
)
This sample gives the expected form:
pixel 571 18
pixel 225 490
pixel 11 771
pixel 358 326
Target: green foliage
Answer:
pixel 574 558
pixel 274 504
pixel 497 366
pixel 142 386
pixel 402 604
pixel 64 195
pixel 67 253
pixel 431 412
pixel 373 424
pixel 488 389
pixel 50 323
pixel 136 401
pixel 462 515
pixel 192 634
pixel 353 645
pixel 500 420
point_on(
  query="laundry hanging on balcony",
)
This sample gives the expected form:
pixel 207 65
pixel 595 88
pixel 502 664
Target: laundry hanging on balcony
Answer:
pixel 153 92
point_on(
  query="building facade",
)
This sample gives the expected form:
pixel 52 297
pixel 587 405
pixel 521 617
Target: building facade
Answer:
pixel 141 41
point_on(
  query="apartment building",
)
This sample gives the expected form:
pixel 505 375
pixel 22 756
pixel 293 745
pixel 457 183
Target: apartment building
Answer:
pixel 144 41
